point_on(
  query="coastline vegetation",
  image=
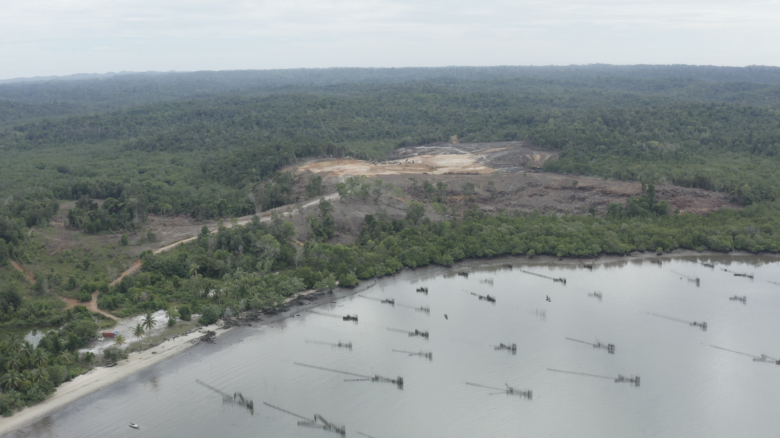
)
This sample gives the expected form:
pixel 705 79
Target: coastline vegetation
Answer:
pixel 163 149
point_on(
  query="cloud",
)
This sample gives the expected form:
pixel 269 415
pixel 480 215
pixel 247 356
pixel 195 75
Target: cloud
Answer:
pixel 211 34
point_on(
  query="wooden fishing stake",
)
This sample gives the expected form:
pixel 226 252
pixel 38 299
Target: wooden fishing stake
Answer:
pixel 620 378
pixel 318 422
pixel 508 390
pixel 558 280
pixel 609 347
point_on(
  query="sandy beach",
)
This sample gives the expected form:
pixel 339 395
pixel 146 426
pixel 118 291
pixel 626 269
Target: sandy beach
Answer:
pixel 101 377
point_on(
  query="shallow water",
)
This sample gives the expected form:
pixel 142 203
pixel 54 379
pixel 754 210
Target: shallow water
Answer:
pixel 687 387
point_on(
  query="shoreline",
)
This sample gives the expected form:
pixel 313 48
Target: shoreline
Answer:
pixel 101 377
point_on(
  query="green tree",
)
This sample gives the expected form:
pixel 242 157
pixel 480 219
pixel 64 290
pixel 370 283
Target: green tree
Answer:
pixel 149 323
pixel 415 211
pixel 40 358
pixel 124 241
pixel 65 358
pixel 114 355
pixel 14 362
pixel 138 332
pixel 185 313
pixel 314 187
pixel 40 376
pixel 89 358
pixel 210 315
pixel 440 209
pixel 12 380
pixel 119 340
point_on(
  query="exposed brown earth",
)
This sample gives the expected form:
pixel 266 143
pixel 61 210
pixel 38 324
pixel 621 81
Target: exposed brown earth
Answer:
pixel 27 274
pixel 93 307
pixel 512 167
pixel 440 159
pixel 135 267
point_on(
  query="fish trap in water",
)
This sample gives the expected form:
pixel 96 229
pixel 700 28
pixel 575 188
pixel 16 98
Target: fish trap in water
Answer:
pixel 596 295
pixel 760 358
pixel 701 325
pixel 508 390
pixel 634 381
pixel 487 298
pixel 318 422
pixel 399 381
pixel 609 347
pixel 339 344
pixel 557 280
pixel 389 301
pixel 512 348
pixel 420 333
pixel 236 399
pixel 344 318
pixel 426 355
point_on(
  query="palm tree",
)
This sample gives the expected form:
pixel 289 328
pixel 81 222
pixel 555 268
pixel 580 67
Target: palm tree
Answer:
pixel 39 359
pixel 149 323
pixel 13 362
pixel 65 358
pixel 12 380
pixel 27 376
pixel 26 352
pixel 40 376
pixel 119 340
pixel 139 331
pixel 12 343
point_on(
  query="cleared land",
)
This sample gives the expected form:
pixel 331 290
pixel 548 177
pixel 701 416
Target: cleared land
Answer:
pixel 504 175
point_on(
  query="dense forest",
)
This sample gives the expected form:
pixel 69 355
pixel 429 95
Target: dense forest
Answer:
pixel 234 262
pixel 211 144
pixel 214 145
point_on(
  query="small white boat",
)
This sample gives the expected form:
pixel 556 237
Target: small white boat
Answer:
pixel 135 426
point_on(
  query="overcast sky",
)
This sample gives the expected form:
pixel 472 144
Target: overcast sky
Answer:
pixel 59 37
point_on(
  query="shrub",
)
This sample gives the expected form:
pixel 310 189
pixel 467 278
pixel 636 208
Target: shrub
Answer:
pixel 185 313
pixel 210 315
pixel 113 355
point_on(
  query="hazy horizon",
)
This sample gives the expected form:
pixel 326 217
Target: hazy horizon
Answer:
pixel 47 38
pixel 92 75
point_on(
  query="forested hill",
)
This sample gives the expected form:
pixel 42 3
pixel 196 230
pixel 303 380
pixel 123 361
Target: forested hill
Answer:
pixel 239 141
pixel 202 144
pixel 129 90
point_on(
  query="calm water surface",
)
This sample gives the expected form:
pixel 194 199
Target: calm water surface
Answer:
pixel 687 387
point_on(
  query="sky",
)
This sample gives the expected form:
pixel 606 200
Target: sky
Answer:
pixel 61 37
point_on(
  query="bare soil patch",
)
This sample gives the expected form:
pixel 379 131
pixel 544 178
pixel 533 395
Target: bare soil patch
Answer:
pixel 506 175
pixel 439 159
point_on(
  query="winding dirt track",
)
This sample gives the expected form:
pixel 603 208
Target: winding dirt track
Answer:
pixel 69 302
